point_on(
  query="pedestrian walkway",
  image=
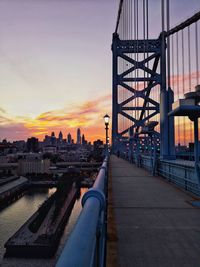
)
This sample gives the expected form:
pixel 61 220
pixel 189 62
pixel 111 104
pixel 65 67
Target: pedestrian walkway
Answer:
pixel 150 221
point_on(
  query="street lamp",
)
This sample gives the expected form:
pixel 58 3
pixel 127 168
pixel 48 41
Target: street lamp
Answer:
pixel 106 121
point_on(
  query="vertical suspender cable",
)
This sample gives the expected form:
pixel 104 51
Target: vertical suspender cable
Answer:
pixel 135 54
pixel 122 89
pixel 120 66
pixel 178 92
pixel 125 63
pixel 144 36
pixel 144 33
pixel 168 44
pixel 197 52
pixel 190 80
pixel 147 43
pixel 183 78
pixel 189 59
pixel 173 62
pixel 130 124
pixel 131 37
pixel 173 74
pixel 137 60
pixel 162 40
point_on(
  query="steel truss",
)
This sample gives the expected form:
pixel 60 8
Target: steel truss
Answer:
pixel 153 49
pixel 120 50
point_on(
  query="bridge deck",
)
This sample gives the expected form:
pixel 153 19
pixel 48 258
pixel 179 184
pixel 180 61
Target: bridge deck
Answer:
pixel 156 224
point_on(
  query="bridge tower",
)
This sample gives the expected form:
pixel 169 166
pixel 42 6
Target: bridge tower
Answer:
pixel 139 69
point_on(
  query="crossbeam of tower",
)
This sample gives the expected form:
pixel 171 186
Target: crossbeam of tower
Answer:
pixel 139 77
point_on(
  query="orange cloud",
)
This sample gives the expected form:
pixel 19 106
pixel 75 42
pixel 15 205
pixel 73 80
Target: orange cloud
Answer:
pixel 88 116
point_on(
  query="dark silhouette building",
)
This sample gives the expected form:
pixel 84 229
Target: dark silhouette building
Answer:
pixel 69 138
pixel 32 144
pixel 84 142
pixel 78 136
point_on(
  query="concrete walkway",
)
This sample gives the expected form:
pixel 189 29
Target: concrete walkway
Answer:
pixel 150 222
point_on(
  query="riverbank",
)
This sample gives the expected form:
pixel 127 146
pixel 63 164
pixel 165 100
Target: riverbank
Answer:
pixel 12 190
pixel 43 243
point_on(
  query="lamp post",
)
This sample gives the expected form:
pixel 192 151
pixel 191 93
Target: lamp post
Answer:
pixel 106 121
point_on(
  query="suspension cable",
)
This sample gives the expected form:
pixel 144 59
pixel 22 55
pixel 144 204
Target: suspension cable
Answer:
pixel 189 67
pixel 173 61
pixel 183 80
pixel 197 52
pixel 168 44
pixel 178 92
pixel 119 15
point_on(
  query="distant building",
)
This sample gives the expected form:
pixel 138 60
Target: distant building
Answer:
pixel 32 144
pixel 98 148
pixel 20 145
pixel 33 166
pixel 78 136
pixel 84 142
pixel 53 139
pixel 60 137
pixel 3 159
pixel 6 148
pixel 47 140
pixel 50 149
pixel 69 138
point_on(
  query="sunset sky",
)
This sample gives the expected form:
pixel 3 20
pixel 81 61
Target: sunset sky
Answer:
pixel 55 64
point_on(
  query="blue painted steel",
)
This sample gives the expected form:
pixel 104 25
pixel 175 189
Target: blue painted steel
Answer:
pixel 123 49
pixel 180 172
pixel 114 93
pixel 196 204
pixel 97 194
pixel 86 244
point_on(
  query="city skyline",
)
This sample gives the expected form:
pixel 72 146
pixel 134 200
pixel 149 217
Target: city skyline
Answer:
pixel 56 67
pixel 67 136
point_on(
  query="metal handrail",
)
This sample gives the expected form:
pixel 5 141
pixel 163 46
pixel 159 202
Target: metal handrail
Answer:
pixel 86 244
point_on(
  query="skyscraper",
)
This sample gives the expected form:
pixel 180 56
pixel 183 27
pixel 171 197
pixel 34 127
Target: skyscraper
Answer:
pixel 84 142
pixel 60 136
pixel 78 136
pixel 53 139
pixel 69 138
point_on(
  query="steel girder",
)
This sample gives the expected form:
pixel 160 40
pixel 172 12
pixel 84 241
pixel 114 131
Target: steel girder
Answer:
pixel 124 49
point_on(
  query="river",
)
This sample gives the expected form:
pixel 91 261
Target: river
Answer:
pixel 13 216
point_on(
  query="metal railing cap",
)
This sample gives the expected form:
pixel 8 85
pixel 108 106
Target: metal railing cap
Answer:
pixel 97 194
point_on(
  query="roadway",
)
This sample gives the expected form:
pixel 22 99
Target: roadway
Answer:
pixel 150 221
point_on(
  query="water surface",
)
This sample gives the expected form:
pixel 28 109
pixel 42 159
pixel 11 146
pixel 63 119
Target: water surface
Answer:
pixel 13 216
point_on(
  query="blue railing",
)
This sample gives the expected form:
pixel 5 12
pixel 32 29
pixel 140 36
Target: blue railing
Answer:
pixel 180 172
pixel 86 244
